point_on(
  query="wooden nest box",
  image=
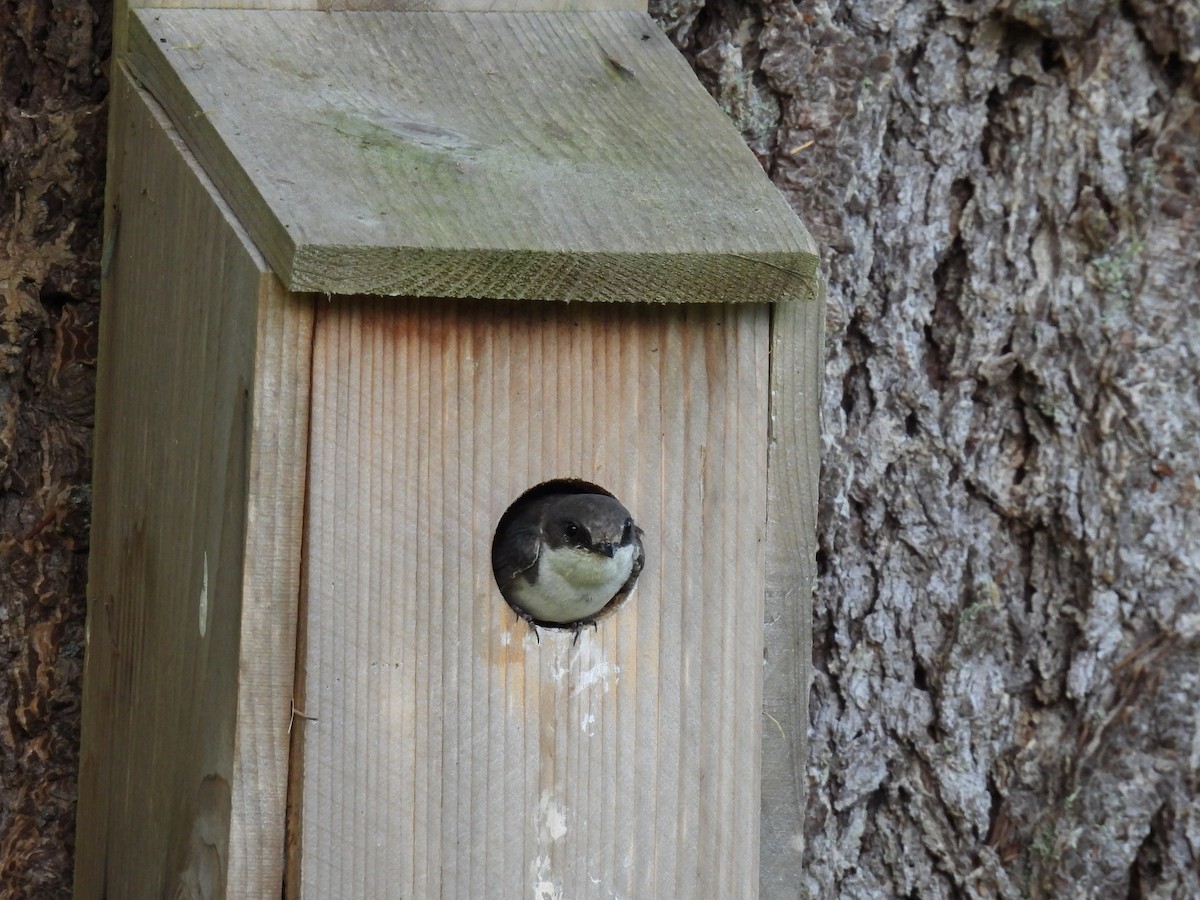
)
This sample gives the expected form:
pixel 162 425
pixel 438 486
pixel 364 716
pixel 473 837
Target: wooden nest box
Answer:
pixel 370 276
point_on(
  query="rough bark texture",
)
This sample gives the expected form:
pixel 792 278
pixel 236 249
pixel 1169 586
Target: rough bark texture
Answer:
pixel 52 124
pixel 1007 622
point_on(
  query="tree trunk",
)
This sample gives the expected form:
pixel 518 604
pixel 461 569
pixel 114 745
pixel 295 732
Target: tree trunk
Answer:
pixel 52 182
pixel 1007 620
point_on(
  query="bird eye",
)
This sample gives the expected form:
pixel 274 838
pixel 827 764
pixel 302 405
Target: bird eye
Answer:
pixel 627 533
pixel 571 531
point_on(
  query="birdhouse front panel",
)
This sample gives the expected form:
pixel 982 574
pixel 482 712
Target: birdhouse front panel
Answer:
pixel 444 746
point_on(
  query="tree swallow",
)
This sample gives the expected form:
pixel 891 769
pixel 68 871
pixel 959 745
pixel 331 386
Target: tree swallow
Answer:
pixel 559 559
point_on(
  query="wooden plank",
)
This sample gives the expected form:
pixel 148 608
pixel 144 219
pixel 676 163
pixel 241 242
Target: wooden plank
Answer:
pixel 495 6
pixel 121 8
pixel 568 156
pixel 797 370
pixel 270 590
pixel 200 450
pixel 446 752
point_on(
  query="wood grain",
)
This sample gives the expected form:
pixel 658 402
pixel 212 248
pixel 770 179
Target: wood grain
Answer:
pixel 122 8
pixel 200 449
pixel 567 156
pixel 446 752
pixel 495 6
pixel 797 372
pixel 270 590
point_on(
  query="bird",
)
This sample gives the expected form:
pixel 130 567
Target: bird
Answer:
pixel 561 558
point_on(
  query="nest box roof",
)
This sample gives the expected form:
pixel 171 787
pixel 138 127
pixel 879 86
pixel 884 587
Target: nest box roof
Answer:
pixel 564 155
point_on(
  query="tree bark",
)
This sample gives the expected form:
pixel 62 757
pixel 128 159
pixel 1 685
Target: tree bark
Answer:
pixel 1007 620
pixel 52 91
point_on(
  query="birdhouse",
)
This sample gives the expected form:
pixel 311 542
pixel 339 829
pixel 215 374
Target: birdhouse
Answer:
pixel 380 289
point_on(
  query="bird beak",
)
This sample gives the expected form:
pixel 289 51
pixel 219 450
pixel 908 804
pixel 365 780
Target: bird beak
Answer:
pixel 607 549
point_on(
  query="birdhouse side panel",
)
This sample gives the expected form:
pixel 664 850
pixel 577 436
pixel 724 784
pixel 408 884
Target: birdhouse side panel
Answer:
pixel 797 372
pixel 191 597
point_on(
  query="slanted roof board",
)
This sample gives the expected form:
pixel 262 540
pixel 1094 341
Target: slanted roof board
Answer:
pixel 510 155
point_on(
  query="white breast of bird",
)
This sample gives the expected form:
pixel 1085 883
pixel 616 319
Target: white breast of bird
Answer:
pixel 574 584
